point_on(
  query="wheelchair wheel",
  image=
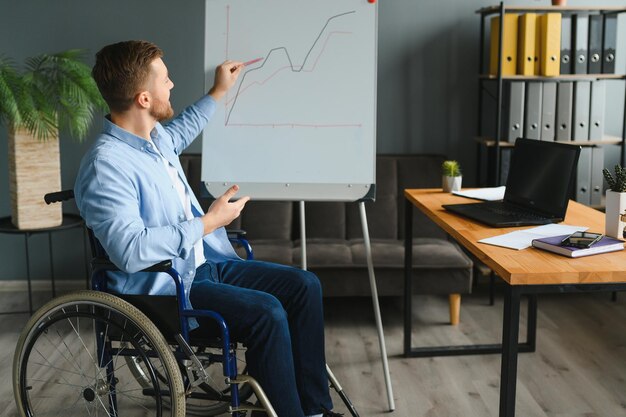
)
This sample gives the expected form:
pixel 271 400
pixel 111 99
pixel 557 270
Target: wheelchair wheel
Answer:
pixel 207 399
pixel 69 361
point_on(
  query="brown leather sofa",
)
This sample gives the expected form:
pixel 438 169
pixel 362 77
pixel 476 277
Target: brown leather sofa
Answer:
pixel 335 248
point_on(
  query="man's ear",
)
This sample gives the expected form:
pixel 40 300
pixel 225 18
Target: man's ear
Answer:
pixel 143 100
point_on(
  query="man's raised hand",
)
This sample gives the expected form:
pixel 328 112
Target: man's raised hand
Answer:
pixel 225 77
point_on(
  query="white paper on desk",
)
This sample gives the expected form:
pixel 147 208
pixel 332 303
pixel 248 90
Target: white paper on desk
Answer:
pixel 485 194
pixel 522 239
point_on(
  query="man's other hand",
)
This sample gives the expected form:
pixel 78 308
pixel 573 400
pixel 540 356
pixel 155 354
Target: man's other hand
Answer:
pixel 225 77
pixel 222 212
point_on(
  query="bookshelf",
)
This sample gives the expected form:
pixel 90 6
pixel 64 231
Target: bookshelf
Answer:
pixel 562 77
pixel 607 140
pixel 489 10
pixel 490 147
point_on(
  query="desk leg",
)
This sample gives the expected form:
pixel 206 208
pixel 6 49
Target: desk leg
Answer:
pixel 510 331
pixel 408 272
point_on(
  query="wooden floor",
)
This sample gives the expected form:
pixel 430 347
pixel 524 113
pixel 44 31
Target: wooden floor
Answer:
pixel 579 368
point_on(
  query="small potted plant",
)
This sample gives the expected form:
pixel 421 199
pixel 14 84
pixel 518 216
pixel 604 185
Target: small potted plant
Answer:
pixel 615 201
pixel 451 176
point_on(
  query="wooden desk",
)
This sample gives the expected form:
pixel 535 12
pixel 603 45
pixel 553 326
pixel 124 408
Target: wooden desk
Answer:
pixel 527 272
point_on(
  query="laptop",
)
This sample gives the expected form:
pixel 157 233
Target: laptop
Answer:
pixel 538 187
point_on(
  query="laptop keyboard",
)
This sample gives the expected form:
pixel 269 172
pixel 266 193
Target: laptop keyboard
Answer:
pixel 513 212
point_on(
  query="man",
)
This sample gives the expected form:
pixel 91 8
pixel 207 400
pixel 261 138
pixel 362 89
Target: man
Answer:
pixel 133 194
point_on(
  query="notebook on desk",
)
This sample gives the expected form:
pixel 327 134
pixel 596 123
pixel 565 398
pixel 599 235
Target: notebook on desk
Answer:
pixel 538 187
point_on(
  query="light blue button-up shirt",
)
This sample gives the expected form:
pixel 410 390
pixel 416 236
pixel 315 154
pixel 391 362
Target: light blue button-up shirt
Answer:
pixel 125 195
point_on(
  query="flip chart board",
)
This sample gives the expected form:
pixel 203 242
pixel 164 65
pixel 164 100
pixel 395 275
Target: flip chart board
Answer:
pixel 300 123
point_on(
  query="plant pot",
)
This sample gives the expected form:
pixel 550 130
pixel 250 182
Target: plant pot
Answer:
pixel 615 207
pixel 450 184
pixel 34 170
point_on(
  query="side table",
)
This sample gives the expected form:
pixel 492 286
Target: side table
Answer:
pixel 70 221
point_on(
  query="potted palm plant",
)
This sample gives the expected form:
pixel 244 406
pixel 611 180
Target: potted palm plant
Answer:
pixel 615 202
pixel 54 92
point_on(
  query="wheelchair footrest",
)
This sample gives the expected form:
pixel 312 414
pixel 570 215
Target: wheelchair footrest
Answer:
pixel 258 391
pixel 245 408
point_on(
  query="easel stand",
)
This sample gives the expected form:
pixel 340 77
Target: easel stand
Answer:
pixel 373 287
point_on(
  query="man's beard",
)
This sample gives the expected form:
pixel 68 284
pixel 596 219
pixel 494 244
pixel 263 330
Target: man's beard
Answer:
pixel 161 110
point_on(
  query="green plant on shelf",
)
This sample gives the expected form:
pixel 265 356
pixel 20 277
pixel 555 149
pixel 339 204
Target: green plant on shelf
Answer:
pixel 617 183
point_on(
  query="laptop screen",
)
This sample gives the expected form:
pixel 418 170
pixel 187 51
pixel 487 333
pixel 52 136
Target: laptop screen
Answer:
pixel 541 175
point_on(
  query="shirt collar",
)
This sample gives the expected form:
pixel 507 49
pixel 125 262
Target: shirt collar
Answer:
pixel 124 135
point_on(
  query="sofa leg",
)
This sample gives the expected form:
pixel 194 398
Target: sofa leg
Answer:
pixel 455 308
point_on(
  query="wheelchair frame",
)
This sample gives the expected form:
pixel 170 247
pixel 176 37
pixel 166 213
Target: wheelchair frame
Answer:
pixel 182 381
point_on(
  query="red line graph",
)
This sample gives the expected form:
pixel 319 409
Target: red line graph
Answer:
pixel 242 89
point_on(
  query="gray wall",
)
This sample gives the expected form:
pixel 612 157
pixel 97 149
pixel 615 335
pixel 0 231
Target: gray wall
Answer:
pixel 427 87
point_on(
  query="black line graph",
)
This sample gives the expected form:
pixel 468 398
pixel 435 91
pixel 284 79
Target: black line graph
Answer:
pixel 286 52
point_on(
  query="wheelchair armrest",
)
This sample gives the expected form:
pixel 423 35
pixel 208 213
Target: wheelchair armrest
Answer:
pixel 238 237
pixel 236 233
pixel 162 266
pixel 101 264
pixel 104 264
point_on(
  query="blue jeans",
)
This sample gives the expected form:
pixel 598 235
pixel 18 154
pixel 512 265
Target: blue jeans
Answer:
pixel 276 311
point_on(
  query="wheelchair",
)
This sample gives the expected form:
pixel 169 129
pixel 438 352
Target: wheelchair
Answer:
pixel 91 352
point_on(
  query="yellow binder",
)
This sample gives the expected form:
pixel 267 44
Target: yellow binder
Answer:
pixel 550 44
pixel 509 45
pixel 529 45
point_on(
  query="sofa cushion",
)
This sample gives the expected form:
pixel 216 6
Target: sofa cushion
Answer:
pixel 439 266
pixel 428 253
pixel 268 220
pixel 341 282
pixel 324 252
pixel 324 220
pixel 382 219
pixel 271 251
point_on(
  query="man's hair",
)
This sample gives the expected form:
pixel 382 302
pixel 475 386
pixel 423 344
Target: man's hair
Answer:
pixel 121 71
